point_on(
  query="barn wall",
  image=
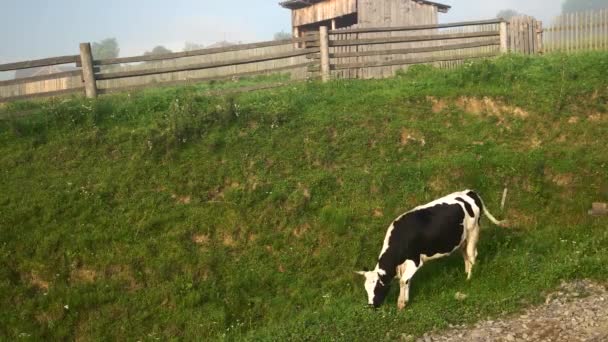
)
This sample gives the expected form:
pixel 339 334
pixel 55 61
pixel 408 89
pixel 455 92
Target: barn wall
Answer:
pixel 395 13
pixel 385 13
pixel 322 11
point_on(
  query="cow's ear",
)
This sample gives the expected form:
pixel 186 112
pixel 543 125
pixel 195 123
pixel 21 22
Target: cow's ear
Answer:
pixel 361 273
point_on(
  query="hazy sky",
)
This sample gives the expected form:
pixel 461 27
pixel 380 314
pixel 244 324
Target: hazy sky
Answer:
pixel 43 28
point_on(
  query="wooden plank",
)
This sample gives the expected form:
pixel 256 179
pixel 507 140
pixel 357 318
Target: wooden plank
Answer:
pixel 514 34
pixel 416 28
pixel 582 42
pixel 562 34
pixel 494 42
pixel 54 76
pixel 524 35
pixel 39 63
pixel 406 39
pixel 46 94
pixel 203 52
pixel 529 37
pixel 588 35
pixel 567 31
pixel 412 61
pixel 570 32
pixel 190 81
pixel 605 28
pixel 200 66
pixel 539 37
pixel 599 29
pixel 577 32
pixel 592 31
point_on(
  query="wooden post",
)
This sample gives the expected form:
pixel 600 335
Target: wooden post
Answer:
pixel 539 36
pixel 88 74
pixel 296 34
pixel 324 43
pixel 504 37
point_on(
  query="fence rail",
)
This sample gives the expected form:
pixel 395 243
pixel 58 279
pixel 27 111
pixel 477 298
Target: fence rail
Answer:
pixel 138 72
pixel 40 63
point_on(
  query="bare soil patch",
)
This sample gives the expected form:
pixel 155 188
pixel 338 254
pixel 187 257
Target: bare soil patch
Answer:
pixel 485 105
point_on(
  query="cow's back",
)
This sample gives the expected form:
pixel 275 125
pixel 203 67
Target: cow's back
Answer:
pixel 429 230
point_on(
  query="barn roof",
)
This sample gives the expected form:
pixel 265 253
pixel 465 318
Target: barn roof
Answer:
pixel 297 4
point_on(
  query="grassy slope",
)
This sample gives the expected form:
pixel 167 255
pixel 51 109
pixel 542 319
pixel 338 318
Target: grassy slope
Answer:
pixel 168 214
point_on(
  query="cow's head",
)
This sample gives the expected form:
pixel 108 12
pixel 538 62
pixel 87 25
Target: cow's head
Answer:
pixel 376 288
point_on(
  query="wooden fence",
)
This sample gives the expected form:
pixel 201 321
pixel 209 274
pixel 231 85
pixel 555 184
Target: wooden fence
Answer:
pixel 355 52
pixel 92 77
pixel 578 31
pixel 373 52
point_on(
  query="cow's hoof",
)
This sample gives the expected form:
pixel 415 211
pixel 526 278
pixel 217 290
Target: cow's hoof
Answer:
pixel 401 306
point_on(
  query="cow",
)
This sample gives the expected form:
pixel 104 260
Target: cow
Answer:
pixel 425 233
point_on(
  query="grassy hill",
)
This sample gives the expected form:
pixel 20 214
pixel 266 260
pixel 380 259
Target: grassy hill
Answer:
pixel 170 214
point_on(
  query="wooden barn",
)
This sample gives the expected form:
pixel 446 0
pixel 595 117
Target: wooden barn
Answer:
pixel 309 15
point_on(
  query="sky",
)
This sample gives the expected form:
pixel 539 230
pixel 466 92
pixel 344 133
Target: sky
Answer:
pixel 31 29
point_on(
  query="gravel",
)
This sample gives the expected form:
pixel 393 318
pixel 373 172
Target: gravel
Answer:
pixel 577 311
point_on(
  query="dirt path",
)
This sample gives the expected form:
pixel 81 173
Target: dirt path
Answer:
pixel 578 311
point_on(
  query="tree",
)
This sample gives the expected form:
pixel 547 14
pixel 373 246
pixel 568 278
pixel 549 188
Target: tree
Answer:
pixel 507 14
pixel 189 46
pixel 282 35
pixel 158 50
pixel 107 48
pixel 570 6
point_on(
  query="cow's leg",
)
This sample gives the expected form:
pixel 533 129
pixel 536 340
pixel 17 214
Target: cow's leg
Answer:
pixel 406 272
pixel 467 264
pixel 471 249
pixel 400 274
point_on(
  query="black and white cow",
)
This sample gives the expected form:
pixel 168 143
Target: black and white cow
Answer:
pixel 427 232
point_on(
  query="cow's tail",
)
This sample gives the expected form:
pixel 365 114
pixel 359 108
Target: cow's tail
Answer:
pixel 493 219
pixel 486 212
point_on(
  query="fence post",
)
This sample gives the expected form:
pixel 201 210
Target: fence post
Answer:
pixel 504 37
pixel 324 44
pixel 539 36
pixel 88 73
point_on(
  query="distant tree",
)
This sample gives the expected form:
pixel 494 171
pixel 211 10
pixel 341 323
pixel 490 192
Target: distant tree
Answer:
pixel 107 48
pixel 570 6
pixel 507 14
pixel 158 50
pixel 282 35
pixel 189 46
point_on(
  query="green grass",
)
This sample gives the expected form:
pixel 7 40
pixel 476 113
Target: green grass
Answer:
pixel 170 214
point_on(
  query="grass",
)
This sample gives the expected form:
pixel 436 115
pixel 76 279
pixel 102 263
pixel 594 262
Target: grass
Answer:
pixel 170 214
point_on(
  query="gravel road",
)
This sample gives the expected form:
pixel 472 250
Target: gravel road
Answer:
pixel 577 311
